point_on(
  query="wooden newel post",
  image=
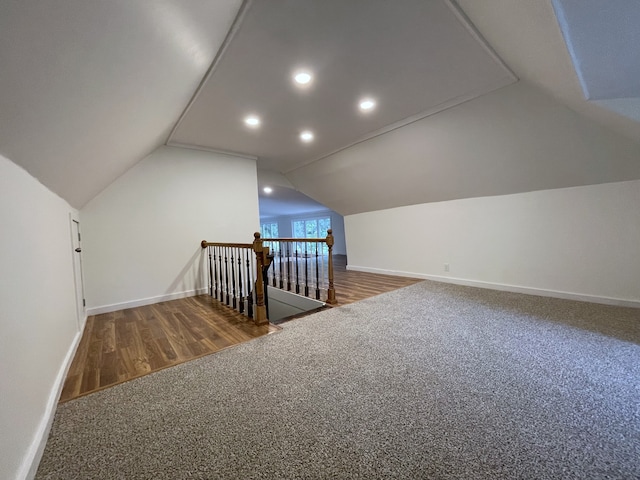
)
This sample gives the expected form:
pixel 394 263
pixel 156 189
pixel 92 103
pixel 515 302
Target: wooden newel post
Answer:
pixel 331 291
pixel 260 313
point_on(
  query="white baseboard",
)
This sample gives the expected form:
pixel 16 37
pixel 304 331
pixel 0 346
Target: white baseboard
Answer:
pixel 32 459
pixel 145 301
pixel 504 287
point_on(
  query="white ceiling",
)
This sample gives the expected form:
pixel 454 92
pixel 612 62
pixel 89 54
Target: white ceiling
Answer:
pixel 415 57
pixel 89 87
pixel 527 36
pixel 603 44
pixel 286 201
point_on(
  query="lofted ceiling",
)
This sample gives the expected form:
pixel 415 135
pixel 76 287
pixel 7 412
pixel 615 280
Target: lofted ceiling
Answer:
pixel 287 201
pixel 414 57
pixel 603 44
pixel 528 37
pixel 90 87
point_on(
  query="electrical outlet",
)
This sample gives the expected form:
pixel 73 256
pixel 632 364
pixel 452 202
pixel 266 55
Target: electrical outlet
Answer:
pixel 446 267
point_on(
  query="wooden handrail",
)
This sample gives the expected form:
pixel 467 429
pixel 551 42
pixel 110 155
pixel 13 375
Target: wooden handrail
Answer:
pixel 329 240
pixel 263 261
pixel 205 244
pixel 310 240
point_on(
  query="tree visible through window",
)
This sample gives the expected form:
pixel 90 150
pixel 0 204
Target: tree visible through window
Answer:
pixel 312 228
pixel 269 230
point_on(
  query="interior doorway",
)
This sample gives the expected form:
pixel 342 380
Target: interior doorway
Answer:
pixel 76 239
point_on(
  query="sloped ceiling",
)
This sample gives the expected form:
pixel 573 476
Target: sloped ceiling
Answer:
pixel 89 87
pixel 517 139
pixel 603 43
pixel 527 36
pixel 414 57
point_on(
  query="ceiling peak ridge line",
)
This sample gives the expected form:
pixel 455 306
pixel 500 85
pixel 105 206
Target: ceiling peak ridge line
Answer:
pixel 475 33
pixel 451 103
pixel 201 148
pixel 235 27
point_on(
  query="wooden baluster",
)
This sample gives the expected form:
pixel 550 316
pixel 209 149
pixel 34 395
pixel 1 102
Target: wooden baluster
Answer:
pixel 273 272
pixel 210 272
pixel 297 270
pixel 280 257
pixel 317 275
pixel 233 278
pixel 226 274
pixel 241 298
pixel 288 266
pixel 260 317
pixel 306 270
pixel 214 289
pixel 331 292
pixel 221 273
pixel 249 289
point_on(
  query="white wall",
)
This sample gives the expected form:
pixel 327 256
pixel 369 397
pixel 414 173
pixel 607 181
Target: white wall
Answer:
pixel 516 139
pixel 141 235
pixel 337 226
pixel 38 320
pixel 579 240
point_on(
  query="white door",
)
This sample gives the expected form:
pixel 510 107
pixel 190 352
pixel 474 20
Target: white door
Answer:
pixel 77 271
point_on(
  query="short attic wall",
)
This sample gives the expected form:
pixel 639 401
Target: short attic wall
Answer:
pixel 579 242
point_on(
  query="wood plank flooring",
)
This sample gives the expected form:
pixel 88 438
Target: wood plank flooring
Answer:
pixel 127 344
pixel 352 286
pixel 120 346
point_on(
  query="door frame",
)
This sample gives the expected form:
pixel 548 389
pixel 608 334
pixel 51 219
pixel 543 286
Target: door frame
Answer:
pixel 78 275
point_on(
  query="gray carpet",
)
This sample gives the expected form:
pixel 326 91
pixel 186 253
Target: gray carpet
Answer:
pixel 431 381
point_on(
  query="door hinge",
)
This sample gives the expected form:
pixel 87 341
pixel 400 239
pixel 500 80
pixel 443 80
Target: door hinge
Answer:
pixel 84 302
pixel 79 239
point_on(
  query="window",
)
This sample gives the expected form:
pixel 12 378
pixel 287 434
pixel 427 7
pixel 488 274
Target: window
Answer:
pixel 269 230
pixel 312 228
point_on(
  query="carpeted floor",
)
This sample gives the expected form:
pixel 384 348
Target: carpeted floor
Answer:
pixel 430 381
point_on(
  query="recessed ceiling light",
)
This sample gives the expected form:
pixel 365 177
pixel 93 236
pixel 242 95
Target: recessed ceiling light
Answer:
pixel 306 136
pixel 267 189
pixel 252 121
pixel 367 104
pixel 303 78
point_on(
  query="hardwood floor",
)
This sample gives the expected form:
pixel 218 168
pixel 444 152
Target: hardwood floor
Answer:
pixel 127 344
pixel 353 286
pixel 120 346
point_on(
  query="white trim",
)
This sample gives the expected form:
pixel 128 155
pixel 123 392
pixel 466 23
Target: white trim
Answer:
pixel 114 307
pixel 452 102
pixel 477 36
pixel 235 26
pixel 31 460
pixel 620 302
pixel 212 150
pixel 82 316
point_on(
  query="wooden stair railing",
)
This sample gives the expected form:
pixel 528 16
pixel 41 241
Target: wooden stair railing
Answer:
pixel 233 276
pixel 299 265
pixel 237 271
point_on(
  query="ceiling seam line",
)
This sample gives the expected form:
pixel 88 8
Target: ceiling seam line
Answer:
pixel 235 26
pixel 456 101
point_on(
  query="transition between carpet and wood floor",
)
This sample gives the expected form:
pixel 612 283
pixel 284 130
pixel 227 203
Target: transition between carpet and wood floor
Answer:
pixel 127 344
pixel 429 381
